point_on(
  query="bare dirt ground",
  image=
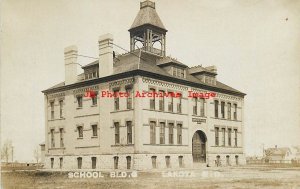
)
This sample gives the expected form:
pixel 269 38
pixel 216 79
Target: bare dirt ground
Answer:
pixel 206 178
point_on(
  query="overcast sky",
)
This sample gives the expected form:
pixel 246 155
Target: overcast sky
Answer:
pixel 255 45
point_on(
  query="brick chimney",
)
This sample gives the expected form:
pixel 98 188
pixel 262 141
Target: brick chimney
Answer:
pixel 105 55
pixel 71 65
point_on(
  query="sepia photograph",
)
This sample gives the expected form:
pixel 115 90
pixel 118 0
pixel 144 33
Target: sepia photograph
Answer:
pixel 150 94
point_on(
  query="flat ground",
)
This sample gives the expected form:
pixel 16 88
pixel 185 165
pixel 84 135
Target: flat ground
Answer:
pixel 207 178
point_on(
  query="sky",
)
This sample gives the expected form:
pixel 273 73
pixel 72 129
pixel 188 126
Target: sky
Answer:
pixel 254 44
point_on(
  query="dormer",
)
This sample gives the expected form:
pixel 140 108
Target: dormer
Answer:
pixel 91 71
pixel 205 74
pixel 173 66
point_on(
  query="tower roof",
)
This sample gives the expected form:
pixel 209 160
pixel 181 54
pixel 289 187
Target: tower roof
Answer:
pixel 147 15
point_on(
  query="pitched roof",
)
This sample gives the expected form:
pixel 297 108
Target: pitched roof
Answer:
pixel 147 15
pixel 276 151
pixel 147 62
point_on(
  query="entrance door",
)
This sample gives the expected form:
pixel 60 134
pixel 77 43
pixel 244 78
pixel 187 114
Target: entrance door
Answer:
pixel 199 147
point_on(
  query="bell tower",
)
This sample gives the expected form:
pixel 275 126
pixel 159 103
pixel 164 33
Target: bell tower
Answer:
pixel 147 31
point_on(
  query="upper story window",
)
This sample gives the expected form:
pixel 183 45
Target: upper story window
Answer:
pixel 235 111
pixel 223 109
pixel 116 100
pixel 216 108
pixel 94 98
pixel 178 72
pixel 52 138
pixel 61 136
pixel 152 99
pixel 235 137
pixel 129 98
pixel 162 133
pixel 195 106
pixel 79 101
pixel 229 110
pixel 216 136
pixel 229 137
pixel 179 104
pixel 162 101
pixel 202 107
pixel 129 132
pixel 61 103
pixel 52 109
pixel 170 103
pixel 91 73
pixel 80 131
pixel 117 133
pixel 95 130
pixel 179 133
pixel 223 136
pixel 171 133
pixel 152 132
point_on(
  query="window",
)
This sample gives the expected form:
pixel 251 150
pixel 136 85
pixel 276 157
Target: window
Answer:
pixel 94 162
pixel 195 107
pixel 60 162
pixel 179 104
pixel 180 161
pixel 235 112
pixel 79 162
pixel 227 160
pixel 223 136
pixel 237 160
pixel 229 110
pixel 116 100
pixel 95 130
pixel 162 133
pixel 235 137
pixel 201 107
pixel 168 162
pixel 128 160
pixel 153 159
pixel 52 138
pixel 170 102
pixel 52 162
pixel 174 71
pixel 218 161
pixel 94 98
pixel 217 136
pixel 61 102
pixel 116 162
pixel 179 133
pixel 223 109
pixel 117 133
pixel 129 132
pixel 171 130
pixel 229 137
pixel 152 99
pixel 152 132
pixel 79 101
pixel 61 136
pixel 216 108
pixel 80 131
pixel 161 101
pixel 52 109
pixel 129 98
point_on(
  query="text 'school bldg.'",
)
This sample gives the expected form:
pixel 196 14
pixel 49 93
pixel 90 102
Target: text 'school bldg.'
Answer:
pixel 151 132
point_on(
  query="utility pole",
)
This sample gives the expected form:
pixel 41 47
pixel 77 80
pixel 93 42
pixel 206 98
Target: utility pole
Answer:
pixel 12 154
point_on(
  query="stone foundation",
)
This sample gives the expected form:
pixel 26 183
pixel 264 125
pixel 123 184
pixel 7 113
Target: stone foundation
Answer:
pixel 139 161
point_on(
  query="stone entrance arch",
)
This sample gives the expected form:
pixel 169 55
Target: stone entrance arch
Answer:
pixel 199 147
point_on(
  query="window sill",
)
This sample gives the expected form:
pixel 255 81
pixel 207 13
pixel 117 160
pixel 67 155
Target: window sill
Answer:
pixel 121 145
pixel 94 137
pixel 94 105
pixel 195 115
pixel 79 138
pixel 78 108
pixel 57 119
pixel 116 111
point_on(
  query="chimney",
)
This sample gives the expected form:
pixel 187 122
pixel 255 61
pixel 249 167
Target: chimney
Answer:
pixel 105 55
pixel 71 65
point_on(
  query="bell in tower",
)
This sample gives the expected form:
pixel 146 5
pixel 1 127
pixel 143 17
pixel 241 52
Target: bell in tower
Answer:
pixel 148 30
